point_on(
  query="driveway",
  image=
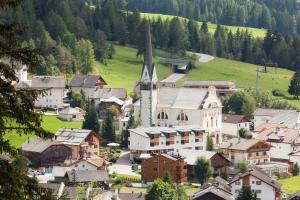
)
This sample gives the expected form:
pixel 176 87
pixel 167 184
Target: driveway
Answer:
pixel 173 78
pixel 123 165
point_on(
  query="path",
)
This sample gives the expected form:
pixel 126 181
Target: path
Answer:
pixel 123 165
pixel 173 78
pixel 204 58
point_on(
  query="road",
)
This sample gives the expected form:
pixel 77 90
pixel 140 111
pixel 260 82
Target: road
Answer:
pixel 173 78
pixel 204 58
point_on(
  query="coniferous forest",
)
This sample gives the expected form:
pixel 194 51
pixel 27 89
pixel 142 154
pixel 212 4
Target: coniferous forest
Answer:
pixel 71 33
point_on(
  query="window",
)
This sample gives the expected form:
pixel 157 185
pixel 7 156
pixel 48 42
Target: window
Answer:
pixel 258 182
pixel 257 154
pixel 265 153
pixel 155 169
pixel 237 191
pixel 182 117
pixel 237 183
pixel 258 191
pixel 162 115
pixel 83 166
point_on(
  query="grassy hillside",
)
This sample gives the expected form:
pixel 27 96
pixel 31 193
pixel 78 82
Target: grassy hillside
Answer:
pixel 50 123
pixel 125 68
pixel 256 32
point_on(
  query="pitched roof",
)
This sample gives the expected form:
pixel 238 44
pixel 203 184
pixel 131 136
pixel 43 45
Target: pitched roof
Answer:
pixel 284 135
pixel 131 196
pixel 241 144
pixel 59 171
pixel 87 81
pixel 148 54
pixel 209 83
pixel 72 136
pixel 215 191
pixel 107 93
pixel 37 145
pixel 191 156
pixel 291 119
pixel 234 119
pixel 218 181
pixel 265 126
pixel 294 196
pixel 48 82
pixel 259 174
pixel 93 160
pixel 268 112
pixel 87 176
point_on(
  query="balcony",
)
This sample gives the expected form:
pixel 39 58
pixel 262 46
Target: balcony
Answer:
pixel 184 141
pixel 153 144
pixel 170 143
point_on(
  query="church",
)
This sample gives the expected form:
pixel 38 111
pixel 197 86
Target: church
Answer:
pixel 169 106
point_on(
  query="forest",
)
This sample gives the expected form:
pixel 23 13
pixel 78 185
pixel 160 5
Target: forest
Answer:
pixel 70 34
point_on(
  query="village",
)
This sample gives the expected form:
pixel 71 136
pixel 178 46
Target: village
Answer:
pixel 171 130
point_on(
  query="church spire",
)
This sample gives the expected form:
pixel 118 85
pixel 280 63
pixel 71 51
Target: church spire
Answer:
pixel 148 49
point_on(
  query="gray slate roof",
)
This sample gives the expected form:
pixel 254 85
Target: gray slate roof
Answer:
pixel 233 119
pixel 87 81
pixel 48 82
pixel 87 176
pixel 37 145
pixel 268 112
pixel 71 136
pixel 131 196
pixel 291 119
pixel 214 190
pixel 106 93
pixel 209 83
pixel 240 143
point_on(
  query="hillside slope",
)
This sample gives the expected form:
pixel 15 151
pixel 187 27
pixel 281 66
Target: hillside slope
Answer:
pixel 256 32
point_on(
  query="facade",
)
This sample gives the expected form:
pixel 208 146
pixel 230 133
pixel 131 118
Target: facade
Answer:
pixel 165 139
pixel 265 187
pixel 176 106
pixel 72 114
pixel 87 83
pixel 294 157
pixel 213 192
pixel 87 164
pixel 231 124
pixel 224 88
pixel 45 152
pixel 251 151
pixel 157 165
pixel 84 143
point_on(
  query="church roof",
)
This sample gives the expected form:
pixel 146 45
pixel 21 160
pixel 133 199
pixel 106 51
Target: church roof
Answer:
pixel 148 54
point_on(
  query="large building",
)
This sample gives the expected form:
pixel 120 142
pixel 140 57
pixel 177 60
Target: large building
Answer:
pixel 165 139
pixel 176 106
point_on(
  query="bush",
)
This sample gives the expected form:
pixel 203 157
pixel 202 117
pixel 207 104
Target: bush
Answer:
pixel 277 93
pixel 126 178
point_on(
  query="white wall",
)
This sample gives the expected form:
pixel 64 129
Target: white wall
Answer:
pixel 53 98
pixel 83 166
pixel 295 159
pixel 280 150
pixel 78 117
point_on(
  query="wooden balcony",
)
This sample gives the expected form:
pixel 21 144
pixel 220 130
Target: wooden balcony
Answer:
pixel 254 157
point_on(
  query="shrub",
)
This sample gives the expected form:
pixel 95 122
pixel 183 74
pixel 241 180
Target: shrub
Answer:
pixel 130 178
pixel 277 93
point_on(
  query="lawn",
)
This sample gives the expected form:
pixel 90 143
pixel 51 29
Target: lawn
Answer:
pixel 124 70
pixel 290 185
pixel 50 123
pixel 256 32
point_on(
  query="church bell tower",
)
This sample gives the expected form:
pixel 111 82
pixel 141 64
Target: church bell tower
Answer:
pixel 148 85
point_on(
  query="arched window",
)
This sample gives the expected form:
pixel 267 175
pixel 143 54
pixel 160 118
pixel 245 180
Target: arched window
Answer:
pixel 182 117
pixel 162 115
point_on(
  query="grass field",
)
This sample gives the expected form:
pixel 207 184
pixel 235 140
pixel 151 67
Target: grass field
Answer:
pixel 290 185
pixel 50 123
pixel 125 68
pixel 256 32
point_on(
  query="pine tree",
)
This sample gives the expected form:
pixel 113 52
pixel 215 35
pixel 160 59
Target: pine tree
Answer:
pixel 296 169
pixel 246 194
pixel 203 169
pixel 294 88
pixel 91 119
pixel 108 128
pixel 209 143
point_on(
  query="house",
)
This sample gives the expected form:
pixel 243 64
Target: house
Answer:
pixel 130 196
pixel 251 151
pixel 265 187
pixel 176 106
pixel 217 181
pixel 93 162
pixel 59 172
pixel 45 152
pixel 224 88
pixel 283 140
pixel 78 176
pixel 294 157
pixel 231 124
pixel 84 143
pixel 157 165
pixel 165 139
pixel 274 169
pixel 295 196
pixel 287 117
pixel 213 192
pixel 218 161
pixel 72 114
pixel 87 83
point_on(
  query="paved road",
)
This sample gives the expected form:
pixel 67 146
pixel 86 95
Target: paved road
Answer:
pixel 204 58
pixel 173 78
pixel 123 165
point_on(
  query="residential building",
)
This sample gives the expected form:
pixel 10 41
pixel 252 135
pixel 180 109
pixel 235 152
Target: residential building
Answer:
pixel 213 192
pixel 157 165
pixel 79 176
pixel 265 187
pixel 219 162
pixel 251 151
pixel 284 141
pixel 231 124
pixel 290 118
pixel 224 88
pixel 295 196
pixel 165 139
pixel 176 106
pixel 45 152
pixel 93 162
pixel 72 114
pixel 274 169
pixel 84 143
pixel 294 157
pixel 87 83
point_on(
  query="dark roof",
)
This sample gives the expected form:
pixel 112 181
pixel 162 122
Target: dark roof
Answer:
pixel 106 93
pixel 233 119
pixel 48 82
pixel 219 192
pixel 87 81
pixel 131 196
pixel 69 191
pixel 38 145
pixel 259 175
pixel 294 196
pixel 148 54
pixel 219 182
pixel 87 176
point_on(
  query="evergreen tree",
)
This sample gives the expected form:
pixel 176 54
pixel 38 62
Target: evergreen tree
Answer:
pixel 167 177
pixel 177 36
pixel 209 143
pixel 91 119
pixel 204 27
pixel 202 169
pixel 294 88
pixel 246 194
pixel 108 127
pixel 296 169
pixel 85 56
pixel 125 133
